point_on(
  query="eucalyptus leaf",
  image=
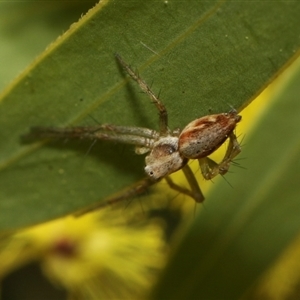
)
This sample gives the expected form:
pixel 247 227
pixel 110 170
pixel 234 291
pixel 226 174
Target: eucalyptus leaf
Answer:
pixel 201 56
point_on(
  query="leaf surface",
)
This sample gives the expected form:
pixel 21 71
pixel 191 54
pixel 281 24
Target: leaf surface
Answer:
pixel 203 57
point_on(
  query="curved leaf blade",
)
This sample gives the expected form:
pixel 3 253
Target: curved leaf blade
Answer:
pixel 243 230
pixel 202 55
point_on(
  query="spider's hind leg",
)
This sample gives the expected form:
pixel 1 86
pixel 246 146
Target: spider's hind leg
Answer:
pixel 210 168
pixel 132 191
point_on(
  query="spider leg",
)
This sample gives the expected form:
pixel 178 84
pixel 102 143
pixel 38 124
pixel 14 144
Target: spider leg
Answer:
pixel 140 131
pixel 78 132
pixel 163 114
pixel 141 137
pixel 233 149
pixel 195 191
pixel 210 168
pixel 132 191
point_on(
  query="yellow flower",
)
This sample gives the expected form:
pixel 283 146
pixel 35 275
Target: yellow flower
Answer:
pixel 102 255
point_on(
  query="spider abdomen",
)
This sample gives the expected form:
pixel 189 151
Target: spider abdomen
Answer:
pixel 203 136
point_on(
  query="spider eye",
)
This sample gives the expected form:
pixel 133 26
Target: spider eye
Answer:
pixel 150 172
pixel 171 149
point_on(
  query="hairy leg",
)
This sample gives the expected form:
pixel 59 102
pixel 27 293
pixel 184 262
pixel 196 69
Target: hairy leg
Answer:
pixel 194 192
pixel 210 168
pixel 138 136
pixel 163 114
pixel 130 192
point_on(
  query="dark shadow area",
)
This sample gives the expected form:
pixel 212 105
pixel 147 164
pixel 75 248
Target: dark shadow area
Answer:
pixel 121 156
pixel 28 283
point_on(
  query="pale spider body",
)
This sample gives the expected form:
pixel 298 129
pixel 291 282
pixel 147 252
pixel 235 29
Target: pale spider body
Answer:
pixel 164 158
pixel 166 151
pixel 198 139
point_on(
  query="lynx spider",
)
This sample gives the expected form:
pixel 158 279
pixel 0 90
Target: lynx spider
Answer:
pixel 167 151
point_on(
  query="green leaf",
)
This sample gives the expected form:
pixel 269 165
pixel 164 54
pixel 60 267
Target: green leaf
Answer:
pixel 202 56
pixel 242 230
pixel 26 29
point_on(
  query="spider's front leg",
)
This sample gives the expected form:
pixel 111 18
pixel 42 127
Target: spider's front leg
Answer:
pixel 138 136
pixel 163 114
pixel 210 168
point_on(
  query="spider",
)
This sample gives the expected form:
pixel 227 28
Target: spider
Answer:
pixel 167 151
